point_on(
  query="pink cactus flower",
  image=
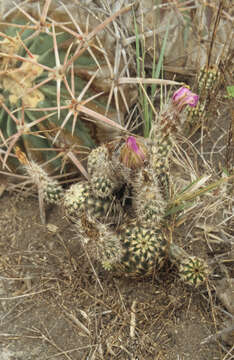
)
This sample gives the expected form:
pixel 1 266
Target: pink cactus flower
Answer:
pixel 133 153
pixel 183 96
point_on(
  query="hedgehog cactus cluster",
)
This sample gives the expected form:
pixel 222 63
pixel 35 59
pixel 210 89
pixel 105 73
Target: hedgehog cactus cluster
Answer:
pixel 124 221
pixel 116 208
pixel 119 210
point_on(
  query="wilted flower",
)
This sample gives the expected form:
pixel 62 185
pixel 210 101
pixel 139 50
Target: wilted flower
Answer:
pixel 133 153
pixel 183 96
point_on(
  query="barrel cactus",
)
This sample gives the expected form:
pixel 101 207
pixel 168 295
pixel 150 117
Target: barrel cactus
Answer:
pixel 142 251
pixel 32 93
pixel 48 80
pixel 193 270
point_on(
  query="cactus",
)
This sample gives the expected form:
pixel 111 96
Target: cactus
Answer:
pixel 164 132
pixel 103 179
pixel 80 201
pixel 208 79
pixel 30 78
pixel 109 246
pixel 193 270
pixel 135 245
pixel 51 191
pixel 97 158
pixel 136 250
pixel 128 236
pixel 144 250
pixel 47 71
pixel 75 198
pixel 207 84
pixel 147 199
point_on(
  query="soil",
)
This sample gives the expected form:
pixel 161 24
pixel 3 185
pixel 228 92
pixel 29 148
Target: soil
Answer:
pixel 55 304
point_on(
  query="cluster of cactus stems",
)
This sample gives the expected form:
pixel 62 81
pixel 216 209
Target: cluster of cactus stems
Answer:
pixel 120 209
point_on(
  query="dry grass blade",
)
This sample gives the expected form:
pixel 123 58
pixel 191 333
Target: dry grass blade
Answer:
pixel 78 322
pixel 137 80
pixel 100 117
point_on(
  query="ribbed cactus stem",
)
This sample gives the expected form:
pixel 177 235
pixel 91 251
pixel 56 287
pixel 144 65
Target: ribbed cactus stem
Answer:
pixel 50 188
pixel 144 250
pixel 164 131
pixel 52 191
pixel 110 249
pixel 103 178
pixel 80 202
pixel 147 200
pixel 171 119
pixel 207 79
pixel 163 134
pixel 207 83
pixel 192 270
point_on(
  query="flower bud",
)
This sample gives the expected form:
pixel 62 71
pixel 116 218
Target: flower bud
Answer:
pixel 133 153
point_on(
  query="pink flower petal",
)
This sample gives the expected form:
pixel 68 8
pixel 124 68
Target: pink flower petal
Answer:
pixel 183 96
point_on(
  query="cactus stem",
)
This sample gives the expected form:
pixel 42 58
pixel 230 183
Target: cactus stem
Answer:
pixel 193 270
